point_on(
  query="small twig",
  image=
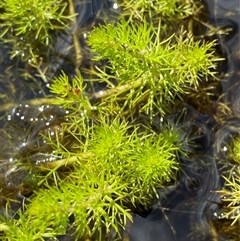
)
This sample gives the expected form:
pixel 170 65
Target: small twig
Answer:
pixel 117 90
pixel 33 102
pixel 65 161
pixel 77 47
pixel 37 66
pixel 166 217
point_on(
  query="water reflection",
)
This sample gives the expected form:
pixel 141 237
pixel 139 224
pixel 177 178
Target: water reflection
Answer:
pixel 225 15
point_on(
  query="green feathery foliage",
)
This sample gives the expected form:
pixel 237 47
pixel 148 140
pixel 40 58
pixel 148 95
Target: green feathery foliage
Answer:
pixel 173 9
pixel 107 164
pixel 115 167
pixel 231 196
pixel 150 71
pixel 118 169
pixel 236 150
pixel 27 24
pixel 231 191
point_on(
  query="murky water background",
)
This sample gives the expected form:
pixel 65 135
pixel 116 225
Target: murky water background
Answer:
pixel 188 209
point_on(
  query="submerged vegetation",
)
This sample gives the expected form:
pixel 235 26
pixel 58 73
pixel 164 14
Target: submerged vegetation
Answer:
pixel 115 172
pixel 231 192
pixel 27 24
pixel 99 158
pixel 236 150
pixel 151 72
pixel 231 195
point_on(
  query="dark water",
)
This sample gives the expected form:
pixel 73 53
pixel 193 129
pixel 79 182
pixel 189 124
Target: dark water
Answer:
pixel 225 15
pixel 186 210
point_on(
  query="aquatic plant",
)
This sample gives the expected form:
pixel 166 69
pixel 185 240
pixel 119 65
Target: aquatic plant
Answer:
pixel 106 163
pixel 27 24
pixel 231 191
pixel 173 9
pixel 236 150
pixel 231 196
pixel 113 169
pixel 150 72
